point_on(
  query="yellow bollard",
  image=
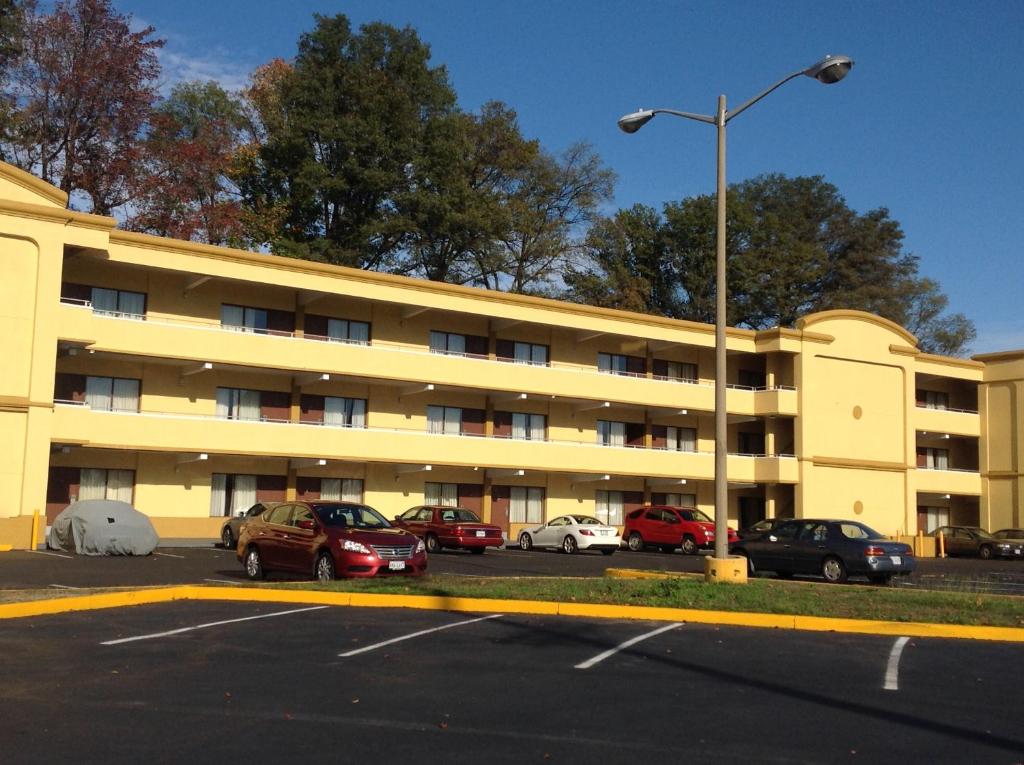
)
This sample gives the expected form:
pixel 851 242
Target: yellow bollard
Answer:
pixel 941 553
pixel 35 530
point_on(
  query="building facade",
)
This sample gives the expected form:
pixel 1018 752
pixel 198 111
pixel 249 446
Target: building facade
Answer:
pixel 193 381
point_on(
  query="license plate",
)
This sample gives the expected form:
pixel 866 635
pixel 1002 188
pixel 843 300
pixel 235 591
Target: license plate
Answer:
pixel 896 559
pixel 481 533
pixel 396 565
pixel 1017 551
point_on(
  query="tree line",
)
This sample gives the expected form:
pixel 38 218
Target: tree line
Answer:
pixel 356 152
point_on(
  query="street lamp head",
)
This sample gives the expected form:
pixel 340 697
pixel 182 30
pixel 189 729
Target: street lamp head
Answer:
pixel 830 69
pixel 633 122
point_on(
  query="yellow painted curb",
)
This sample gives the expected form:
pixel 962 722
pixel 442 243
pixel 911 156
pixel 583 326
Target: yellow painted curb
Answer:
pixel 537 607
pixel 6 548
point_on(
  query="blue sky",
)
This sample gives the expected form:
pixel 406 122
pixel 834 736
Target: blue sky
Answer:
pixel 928 124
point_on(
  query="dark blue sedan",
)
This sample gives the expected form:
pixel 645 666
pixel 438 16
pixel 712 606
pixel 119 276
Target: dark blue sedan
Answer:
pixel 832 549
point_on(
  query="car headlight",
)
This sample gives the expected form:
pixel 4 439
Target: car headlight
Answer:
pixel 353 546
pixel 420 547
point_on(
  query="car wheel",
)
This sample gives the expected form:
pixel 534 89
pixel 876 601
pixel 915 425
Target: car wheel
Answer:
pixel 227 538
pixel 433 544
pixel 689 545
pixel 324 568
pixel 525 541
pixel 254 564
pixel 986 552
pixel 635 542
pixel 833 570
pixel 478 550
pixel 569 545
pixel 880 579
pixel 607 552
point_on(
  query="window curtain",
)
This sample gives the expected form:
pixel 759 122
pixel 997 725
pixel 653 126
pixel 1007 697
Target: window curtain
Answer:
pixel 519 425
pixel 92 484
pixel 132 303
pixel 244 495
pixel 435 419
pixel 352 489
pixel 611 433
pixel 330 489
pixel 218 495
pixel 125 395
pixel 682 439
pixel 681 500
pixel 359 332
pixel 104 300
pixel 238 404
pixel 232 317
pixel 526 504
pixel 99 392
pixel 608 507
pixel 120 484
pixel 345 412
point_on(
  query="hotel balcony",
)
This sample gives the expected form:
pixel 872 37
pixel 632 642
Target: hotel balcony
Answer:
pixel 194 341
pixel 145 431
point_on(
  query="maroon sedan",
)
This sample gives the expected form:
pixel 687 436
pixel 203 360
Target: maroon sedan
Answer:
pixel 455 527
pixel 328 540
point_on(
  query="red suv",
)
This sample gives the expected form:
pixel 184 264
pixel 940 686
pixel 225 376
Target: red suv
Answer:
pixel 670 527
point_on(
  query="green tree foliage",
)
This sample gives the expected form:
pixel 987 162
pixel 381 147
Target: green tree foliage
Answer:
pixel 344 131
pixel 185 192
pixel 83 87
pixel 793 247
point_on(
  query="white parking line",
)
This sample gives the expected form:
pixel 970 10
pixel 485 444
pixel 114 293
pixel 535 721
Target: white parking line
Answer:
pixel 416 634
pixel 168 555
pixel 210 624
pixel 633 641
pixel 222 581
pixel 892 670
pixel 51 554
pixel 63 586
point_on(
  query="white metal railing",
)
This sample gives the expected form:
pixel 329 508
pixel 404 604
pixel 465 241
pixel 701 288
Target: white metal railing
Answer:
pixel 209 326
pixel 395 431
pixel 934 408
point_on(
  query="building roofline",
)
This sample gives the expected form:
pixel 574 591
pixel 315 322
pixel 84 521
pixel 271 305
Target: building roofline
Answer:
pixel 36 185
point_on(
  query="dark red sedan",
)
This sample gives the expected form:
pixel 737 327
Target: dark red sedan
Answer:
pixel 328 540
pixel 454 527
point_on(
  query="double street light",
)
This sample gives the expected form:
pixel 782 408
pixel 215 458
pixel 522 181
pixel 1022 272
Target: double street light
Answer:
pixel 829 70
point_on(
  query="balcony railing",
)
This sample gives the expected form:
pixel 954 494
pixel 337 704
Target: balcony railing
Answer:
pixel 210 326
pixel 933 408
pixel 398 431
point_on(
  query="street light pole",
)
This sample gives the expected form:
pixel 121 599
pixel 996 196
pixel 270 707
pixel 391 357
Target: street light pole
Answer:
pixel 829 70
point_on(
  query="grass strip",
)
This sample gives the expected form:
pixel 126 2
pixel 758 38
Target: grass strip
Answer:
pixel 757 596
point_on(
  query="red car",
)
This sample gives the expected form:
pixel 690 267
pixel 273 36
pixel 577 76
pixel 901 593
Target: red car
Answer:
pixel 328 540
pixel 455 527
pixel 670 527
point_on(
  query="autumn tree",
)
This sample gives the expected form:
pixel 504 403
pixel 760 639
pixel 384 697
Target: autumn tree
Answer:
pixel 190 149
pixel 84 86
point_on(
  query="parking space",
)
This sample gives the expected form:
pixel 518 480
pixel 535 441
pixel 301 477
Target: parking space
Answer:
pixel 205 680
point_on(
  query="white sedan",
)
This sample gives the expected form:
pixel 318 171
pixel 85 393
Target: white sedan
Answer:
pixel 572 533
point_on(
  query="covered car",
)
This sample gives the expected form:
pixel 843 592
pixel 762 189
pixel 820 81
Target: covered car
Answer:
pixel 102 527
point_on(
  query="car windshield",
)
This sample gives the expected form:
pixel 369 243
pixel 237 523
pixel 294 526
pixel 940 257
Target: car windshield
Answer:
pixel 695 515
pixel 458 514
pixel 586 520
pixel 342 515
pixel 852 530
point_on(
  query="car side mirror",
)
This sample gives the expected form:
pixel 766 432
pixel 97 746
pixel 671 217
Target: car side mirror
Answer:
pixel 240 514
pixel 398 517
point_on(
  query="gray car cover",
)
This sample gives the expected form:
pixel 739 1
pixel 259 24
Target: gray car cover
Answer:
pixel 102 527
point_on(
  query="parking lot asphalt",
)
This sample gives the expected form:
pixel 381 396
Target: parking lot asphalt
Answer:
pixel 213 564
pixel 215 682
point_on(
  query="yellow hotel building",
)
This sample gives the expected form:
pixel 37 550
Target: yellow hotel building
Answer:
pixel 194 380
